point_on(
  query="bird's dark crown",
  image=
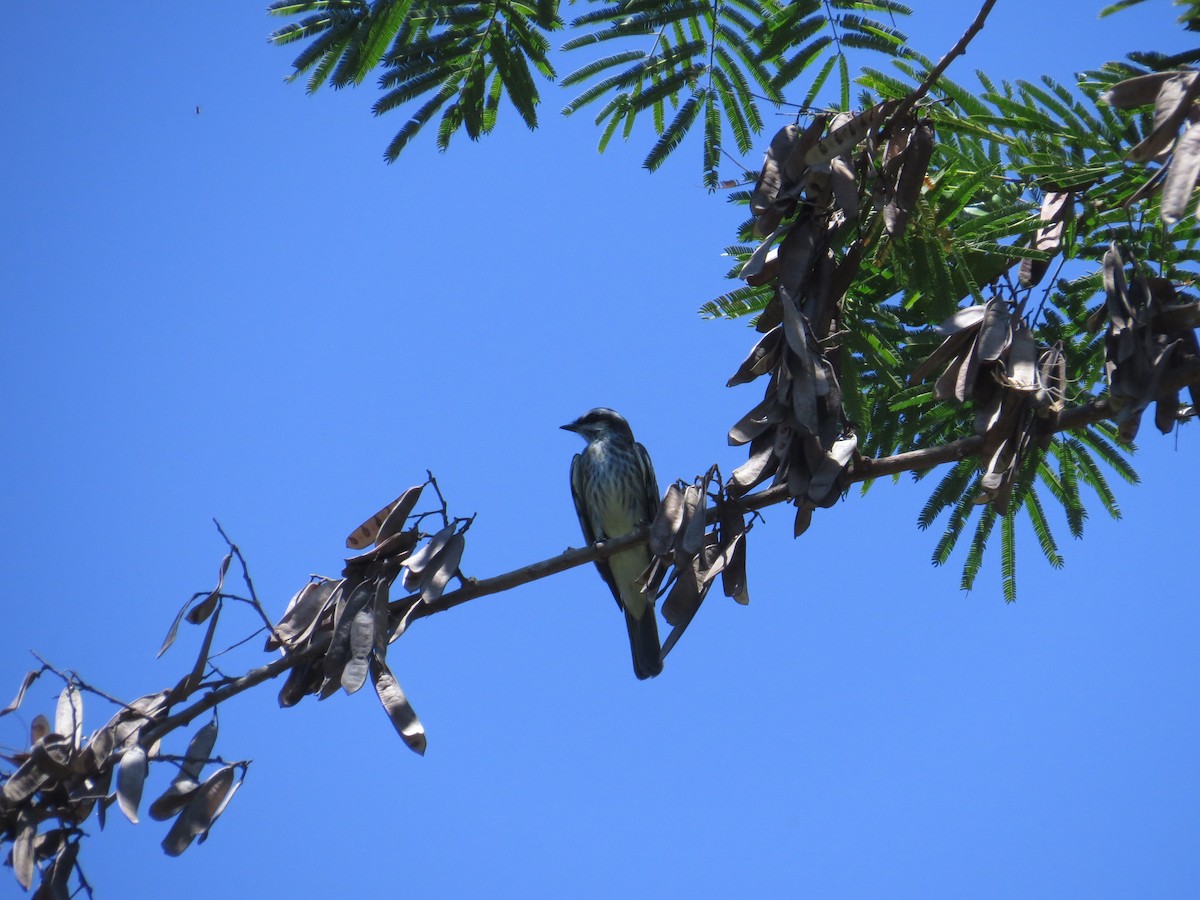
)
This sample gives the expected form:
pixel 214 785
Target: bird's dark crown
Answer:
pixel 600 422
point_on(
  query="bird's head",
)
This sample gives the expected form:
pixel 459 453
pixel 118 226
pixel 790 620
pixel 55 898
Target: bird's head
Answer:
pixel 600 423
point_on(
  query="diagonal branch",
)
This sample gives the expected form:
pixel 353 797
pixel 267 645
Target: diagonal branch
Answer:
pixel 861 470
pixel 1184 372
pixel 957 50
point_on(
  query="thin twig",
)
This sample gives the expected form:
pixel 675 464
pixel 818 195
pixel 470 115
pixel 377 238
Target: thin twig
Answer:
pixel 233 688
pixel 72 677
pixel 957 50
pixel 233 548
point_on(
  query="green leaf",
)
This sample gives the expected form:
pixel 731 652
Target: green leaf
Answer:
pixel 673 136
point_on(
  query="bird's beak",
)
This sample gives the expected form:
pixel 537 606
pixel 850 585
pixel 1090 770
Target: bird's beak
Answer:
pixel 571 427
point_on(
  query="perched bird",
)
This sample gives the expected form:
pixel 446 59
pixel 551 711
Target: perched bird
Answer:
pixel 615 491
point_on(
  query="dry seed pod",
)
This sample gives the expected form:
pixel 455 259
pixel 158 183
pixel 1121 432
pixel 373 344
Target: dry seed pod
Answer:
pixel 397 707
pixel 23 855
pixel 691 537
pixel 756 422
pixel 303 612
pixel 770 178
pixel 416 564
pixel 68 717
pixel 1022 363
pixel 849 134
pixel 1052 378
pixel 1134 92
pixel 765 251
pixel 442 568
pixel 762 359
pixel 914 162
pixel 131 776
pixel 1181 176
pixel 995 333
pixel 1057 207
pixel 30 677
pixel 951 348
pixel 200 813
pixel 667 522
pixel 758 468
pixel 401 509
pixel 362 643
pixel 393 515
pixel 733 533
pixel 1171 107
pixel 339 645
pixel 844 187
pixel 205 608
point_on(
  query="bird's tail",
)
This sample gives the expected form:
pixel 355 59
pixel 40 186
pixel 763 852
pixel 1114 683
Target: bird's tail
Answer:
pixel 643 641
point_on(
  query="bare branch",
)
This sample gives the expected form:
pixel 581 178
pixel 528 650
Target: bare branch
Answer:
pixel 258 607
pixel 231 689
pixel 957 50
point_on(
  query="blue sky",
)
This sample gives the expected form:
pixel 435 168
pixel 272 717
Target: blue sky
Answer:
pixel 245 314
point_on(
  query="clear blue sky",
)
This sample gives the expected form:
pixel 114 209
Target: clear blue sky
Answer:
pixel 245 314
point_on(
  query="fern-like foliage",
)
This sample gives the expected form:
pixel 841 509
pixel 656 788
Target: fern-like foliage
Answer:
pixel 1189 18
pixel 451 61
pixel 708 64
pixel 690 65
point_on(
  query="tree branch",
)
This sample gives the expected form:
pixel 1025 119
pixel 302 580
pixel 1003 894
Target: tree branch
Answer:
pixel 1184 372
pixel 957 50
pixel 231 689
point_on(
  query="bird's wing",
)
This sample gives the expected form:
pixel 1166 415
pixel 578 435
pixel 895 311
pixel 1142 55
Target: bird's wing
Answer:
pixel 646 470
pixel 589 534
pixel 577 496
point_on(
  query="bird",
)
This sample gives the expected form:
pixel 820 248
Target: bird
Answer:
pixel 615 491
